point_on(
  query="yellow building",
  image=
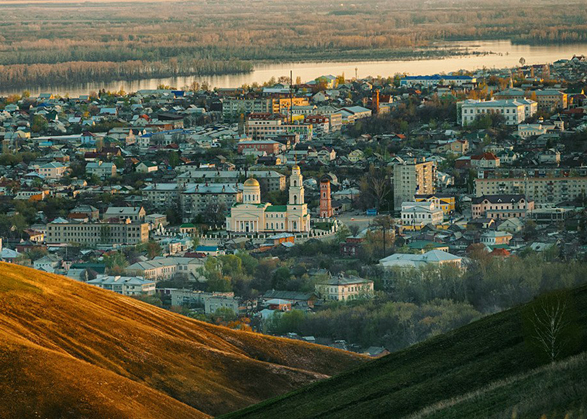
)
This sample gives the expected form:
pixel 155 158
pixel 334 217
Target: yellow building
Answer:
pixel 282 105
pixel 446 202
pixel 252 216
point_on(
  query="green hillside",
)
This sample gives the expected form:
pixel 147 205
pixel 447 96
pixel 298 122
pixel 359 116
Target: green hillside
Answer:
pixel 485 369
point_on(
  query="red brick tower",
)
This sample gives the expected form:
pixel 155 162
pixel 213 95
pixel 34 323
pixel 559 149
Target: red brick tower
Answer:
pixel 375 102
pixel 325 199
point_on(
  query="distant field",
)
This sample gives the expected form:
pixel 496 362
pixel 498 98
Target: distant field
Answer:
pixel 53 42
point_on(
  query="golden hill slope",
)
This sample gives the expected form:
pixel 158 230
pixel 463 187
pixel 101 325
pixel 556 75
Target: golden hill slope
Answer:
pixel 68 349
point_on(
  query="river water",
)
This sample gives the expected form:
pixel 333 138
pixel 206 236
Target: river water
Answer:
pixel 502 54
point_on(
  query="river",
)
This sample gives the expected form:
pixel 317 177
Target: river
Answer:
pixel 503 54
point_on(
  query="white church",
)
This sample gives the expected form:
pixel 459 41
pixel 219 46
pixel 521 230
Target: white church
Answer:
pixel 252 216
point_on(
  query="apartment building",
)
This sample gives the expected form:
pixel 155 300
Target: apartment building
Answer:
pixel 435 80
pixel 270 180
pixel 412 177
pixel 125 285
pixel 343 288
pixel 262 146
pixel 543 191
pixel 211 301
pixel 195 199
pixel 547 99
pixel 265 126
pixel 232 107
pixel 513 111
pixel 501 207
pixel 162 196
pixel 164 268
pixel 70 231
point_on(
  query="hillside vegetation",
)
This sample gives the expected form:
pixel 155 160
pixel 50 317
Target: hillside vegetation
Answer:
pixel 70 350
pixel 487 369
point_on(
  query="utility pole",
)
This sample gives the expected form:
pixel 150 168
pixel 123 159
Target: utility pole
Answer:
pixel 291 97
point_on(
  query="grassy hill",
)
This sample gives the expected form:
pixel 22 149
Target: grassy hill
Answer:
pixel 485 369
pixel 70 350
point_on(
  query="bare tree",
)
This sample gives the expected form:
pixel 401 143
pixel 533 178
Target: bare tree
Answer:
pixel 552 330
pixel 376 185
pixel 385 222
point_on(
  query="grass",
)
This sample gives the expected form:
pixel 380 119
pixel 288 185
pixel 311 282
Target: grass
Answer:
pixel 484 369
pixel 70 350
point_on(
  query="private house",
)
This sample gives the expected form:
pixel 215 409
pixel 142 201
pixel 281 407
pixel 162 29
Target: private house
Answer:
pixel 146 167
pixel 496 238
pixel 53 170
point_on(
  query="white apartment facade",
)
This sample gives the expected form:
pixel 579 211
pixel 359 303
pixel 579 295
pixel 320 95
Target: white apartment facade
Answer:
pixel 513 111
pixel 64 231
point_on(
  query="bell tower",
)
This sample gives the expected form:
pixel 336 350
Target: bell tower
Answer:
pixel 296 187
pixel 325 198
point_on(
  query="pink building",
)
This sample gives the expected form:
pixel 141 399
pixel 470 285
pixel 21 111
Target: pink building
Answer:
pixel 501 207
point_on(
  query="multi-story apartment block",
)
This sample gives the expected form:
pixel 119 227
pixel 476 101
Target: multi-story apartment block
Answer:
pixel 431 81
pixel 164 268
pixel 125 285
pixel 262 146
pixel 513 111
pixel 233 107
pixel 548 99
pixel 412 177
pixel 64 231
pixel 270 180
pixel 501 207
pixel 197 198
pixel 162 196
pixel 543 191
pixel 263 126
pixel 343 288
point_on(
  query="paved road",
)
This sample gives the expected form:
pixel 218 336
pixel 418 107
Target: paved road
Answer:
pixel 356 218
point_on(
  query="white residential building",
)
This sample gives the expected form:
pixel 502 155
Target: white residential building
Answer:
pixel 513 111
pixel 125 285
pixel 343 288
pixel 419 214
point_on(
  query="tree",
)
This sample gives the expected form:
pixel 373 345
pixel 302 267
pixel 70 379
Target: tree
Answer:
pixel 173 159
pixel 385 222
pixel 522 61
pixel 551 327
pixel 40 124
pixel 375 187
